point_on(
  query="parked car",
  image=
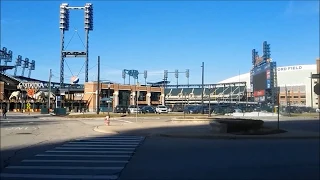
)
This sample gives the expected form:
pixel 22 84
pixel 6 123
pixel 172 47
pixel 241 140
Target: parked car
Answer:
pixel 189 109
pixel 133 109
pixel 121 109
pixel 148 109
pixel 161 109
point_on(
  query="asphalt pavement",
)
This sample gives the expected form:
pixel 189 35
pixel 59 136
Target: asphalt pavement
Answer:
pixel 194 159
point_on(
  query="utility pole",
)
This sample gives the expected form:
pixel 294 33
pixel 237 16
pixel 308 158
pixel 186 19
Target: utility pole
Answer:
pixel 311 90
pixel 98 87
pixel 49 94
pixel 202 84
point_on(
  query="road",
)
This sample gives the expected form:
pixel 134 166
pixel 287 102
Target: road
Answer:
pixel 60 148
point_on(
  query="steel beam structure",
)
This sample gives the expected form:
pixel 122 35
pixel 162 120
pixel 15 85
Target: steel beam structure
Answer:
pixel 64 27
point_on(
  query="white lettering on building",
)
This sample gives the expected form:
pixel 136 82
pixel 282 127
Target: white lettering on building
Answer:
pixel 30 85
pixel 290 68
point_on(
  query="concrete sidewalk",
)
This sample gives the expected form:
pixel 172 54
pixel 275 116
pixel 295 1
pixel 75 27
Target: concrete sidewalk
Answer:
pixel 193 130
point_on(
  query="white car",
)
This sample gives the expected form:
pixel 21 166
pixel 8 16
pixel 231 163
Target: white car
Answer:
pixel 133 109
pixel 161 109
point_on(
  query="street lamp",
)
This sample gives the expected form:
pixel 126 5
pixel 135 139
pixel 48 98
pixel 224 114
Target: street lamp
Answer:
pixel 209 113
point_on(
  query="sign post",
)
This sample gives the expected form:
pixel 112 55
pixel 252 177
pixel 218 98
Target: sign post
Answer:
pixel 28 107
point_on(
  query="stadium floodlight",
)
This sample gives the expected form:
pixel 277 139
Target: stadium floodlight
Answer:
pixel 176 73
pixel 26 63
pixel 187 73
pixel 8 57
pixel 145 74
pixel 64 17
pixel 165 74
pixel 32 65
pixel 19 60
pixel 88 16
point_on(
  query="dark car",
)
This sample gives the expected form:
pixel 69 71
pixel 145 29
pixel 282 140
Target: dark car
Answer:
pixel 190 109
pixel 148 109
pixel 121 109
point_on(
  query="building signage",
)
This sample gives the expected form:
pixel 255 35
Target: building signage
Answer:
pixel 261 68
pixel 30 85
pixel 290 68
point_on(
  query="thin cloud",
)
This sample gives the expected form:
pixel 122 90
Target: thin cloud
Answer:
pixel 302 8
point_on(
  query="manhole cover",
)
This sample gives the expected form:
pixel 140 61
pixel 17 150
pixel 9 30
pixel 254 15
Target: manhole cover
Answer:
pixel 23 133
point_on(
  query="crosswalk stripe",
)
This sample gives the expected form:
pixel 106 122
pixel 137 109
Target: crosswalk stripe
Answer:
pixel 107 140
pixel 116 136
pixel 98 145
pixel 64 167
pixel 91 142
pixel 112 138
pixel 53 176
pixel 83 155
pixel 73 161
pixel 93 148
pixel 107 154
pixel 111 152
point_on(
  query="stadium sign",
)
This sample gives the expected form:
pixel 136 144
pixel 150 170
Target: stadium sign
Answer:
pixel 290 68
pixel 30 85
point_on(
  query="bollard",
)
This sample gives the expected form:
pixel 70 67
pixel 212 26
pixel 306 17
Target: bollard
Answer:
pixel 107 120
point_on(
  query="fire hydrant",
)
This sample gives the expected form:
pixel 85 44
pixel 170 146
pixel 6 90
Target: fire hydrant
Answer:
pixel 107 120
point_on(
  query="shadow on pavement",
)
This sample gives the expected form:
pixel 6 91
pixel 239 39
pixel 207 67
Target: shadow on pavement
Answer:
pixel 111 156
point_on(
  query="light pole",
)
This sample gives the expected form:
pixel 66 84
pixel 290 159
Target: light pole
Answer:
pixel 209 113
pixel 109 99
pixel 202 85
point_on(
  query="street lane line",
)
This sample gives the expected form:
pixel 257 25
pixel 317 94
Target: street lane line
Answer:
pixel 82 155
pixel 109 152
pixel 64 167
pixel 97 145
pixel 90 148
pixel 73 161
pixel 83 142
pixel 52 176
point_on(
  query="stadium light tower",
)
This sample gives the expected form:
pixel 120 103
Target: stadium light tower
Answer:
pixel 64 26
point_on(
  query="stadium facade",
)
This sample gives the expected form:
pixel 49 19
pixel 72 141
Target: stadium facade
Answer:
pixel 295 84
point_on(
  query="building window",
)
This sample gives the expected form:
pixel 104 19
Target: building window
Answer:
pixel 282 96
pixel 295 96
pixel 302 96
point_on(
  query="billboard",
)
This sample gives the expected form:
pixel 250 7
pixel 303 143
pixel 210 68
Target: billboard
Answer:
pixel 261 80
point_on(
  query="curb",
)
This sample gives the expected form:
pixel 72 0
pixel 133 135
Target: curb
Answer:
pixel 237 137
pixel 103 131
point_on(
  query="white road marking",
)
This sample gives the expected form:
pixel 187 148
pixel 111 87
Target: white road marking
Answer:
pixel 113 138
pixel 20 128
pixel 109 152
pixel 90 148
pixel 64 167
pixel 108 140
pixel 51 176
pixel 116 136
pixel 81 155
pixel 92 142
pixel 73 161
pixel 97 145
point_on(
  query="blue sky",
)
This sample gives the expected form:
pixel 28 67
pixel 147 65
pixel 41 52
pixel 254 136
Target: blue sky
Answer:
pixel 154 36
